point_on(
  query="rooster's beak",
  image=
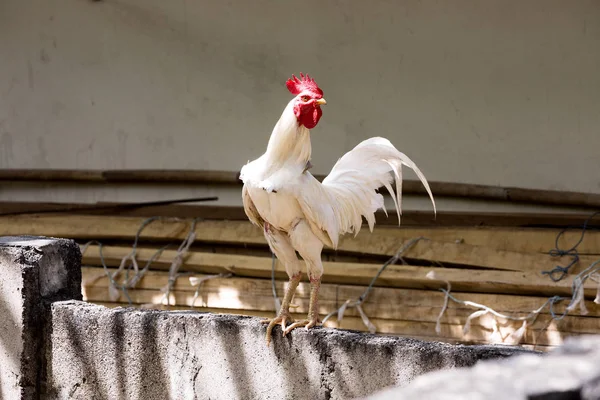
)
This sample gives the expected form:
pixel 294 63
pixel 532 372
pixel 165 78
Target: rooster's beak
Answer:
pixel 321 102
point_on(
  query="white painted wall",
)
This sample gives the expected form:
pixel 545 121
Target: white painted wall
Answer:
pixel 495 92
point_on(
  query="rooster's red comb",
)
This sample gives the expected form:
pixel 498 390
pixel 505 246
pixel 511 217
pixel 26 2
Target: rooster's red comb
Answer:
pixel 296 86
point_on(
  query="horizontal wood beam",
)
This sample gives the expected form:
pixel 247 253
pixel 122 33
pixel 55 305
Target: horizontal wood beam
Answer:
pixel 398 276
pixel 392 300
pixel 382 242
pixel 510 238
pixel 409 218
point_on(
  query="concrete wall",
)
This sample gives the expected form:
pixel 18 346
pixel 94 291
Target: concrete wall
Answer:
pixel 132 354
pixel 568 373
pixel 501 93
pixel 34 272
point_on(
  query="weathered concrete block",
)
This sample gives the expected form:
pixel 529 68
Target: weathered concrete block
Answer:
pixel 571 372
pixel 34 271
pixel 101 353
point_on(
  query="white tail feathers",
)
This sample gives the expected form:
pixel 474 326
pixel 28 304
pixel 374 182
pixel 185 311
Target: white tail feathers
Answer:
pixel 349 191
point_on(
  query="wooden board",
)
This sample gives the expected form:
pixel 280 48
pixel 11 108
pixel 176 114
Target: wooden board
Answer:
pixel 460 253
pixel 95 227
pixel 400 276
pixel 525 240
pixel 384 303
pixel 500 238
pixel 409 217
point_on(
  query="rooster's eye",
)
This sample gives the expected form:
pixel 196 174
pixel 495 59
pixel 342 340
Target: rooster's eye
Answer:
pixel 304 98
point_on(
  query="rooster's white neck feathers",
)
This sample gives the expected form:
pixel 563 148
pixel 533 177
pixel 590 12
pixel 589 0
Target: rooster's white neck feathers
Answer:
pixel 290 142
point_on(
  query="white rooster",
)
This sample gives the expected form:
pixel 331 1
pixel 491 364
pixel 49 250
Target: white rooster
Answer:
pixel 299 213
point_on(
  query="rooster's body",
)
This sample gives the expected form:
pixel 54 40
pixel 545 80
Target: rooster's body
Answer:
pixel 299 213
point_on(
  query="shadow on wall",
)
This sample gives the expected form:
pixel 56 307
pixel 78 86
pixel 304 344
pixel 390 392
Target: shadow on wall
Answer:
pixel 120 362
pixel 10 326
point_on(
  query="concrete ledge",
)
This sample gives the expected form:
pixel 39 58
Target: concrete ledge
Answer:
pixel 34 271
pixel 571 372
pixel 96 352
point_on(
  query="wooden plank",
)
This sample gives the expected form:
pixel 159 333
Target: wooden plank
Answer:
pixel 382 303
pixel 525 240
pixel 114 209
pixel 123 176
pixel 96 227
pixel 460 253
pixel 500 238
pixel 400 276
pixel 409 218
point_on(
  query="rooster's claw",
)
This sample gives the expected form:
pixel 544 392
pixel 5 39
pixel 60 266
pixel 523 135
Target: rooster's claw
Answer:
pixel 306 323
pixel 282 318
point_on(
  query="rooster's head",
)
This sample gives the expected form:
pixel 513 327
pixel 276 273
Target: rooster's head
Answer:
pixel 308 101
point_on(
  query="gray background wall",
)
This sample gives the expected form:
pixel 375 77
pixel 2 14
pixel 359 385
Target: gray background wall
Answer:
pixel 495 92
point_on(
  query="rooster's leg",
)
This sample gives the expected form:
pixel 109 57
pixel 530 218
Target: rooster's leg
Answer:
pixel 281 246
pixel 284 311
pixel 309 247
pixel 313 308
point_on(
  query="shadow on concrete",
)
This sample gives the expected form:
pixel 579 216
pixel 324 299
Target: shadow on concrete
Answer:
pixel 77 341
pixel 153 380
pixel 295 357
pixel 117 335
pixel 8 342
pixel 230 336
pixel 347 368
pixel 136 370
pixel 21 325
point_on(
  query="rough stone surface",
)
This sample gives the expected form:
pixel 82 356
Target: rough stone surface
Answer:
pixel 34 271
pixel 570 372
pixel 101 353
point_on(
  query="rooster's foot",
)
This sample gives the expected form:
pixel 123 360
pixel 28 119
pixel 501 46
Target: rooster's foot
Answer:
pixel 307 323
pixel 282 319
